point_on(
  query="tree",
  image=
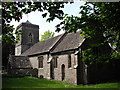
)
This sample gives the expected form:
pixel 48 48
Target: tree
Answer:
pixel 96 19
pixel 48 34
pixel 15 10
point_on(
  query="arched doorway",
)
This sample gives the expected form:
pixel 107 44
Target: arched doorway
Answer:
pixel 63 71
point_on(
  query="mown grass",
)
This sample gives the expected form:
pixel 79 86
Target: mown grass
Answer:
pixel 30 82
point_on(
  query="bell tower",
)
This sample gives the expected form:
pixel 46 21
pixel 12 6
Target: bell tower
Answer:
pixel 29 35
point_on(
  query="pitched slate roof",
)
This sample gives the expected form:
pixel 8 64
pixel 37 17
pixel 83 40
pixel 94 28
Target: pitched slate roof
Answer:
pixel 41 47
pixel 70 41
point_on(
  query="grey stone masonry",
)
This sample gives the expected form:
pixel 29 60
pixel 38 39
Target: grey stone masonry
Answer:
pixel 28 37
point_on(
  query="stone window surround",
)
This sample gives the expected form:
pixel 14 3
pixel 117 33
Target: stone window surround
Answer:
pixel 55 58
pixel 30 37
pixel 69 61
pixel 40 62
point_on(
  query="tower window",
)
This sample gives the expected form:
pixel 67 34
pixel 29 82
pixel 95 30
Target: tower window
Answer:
pixel 30 38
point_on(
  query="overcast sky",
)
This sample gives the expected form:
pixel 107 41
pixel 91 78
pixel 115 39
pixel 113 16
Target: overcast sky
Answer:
pixel 36 18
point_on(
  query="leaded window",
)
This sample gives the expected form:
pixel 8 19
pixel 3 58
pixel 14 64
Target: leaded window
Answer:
pixel 55 62
pixel 30 38
pixel 69 61
pixel 40 62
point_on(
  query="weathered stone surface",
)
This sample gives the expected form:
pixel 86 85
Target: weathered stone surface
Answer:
pixel 25 42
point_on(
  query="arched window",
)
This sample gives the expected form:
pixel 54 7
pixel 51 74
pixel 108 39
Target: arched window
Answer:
pixel 30 38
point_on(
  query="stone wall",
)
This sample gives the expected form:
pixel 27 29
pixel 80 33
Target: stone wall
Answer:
pixel 45 71
pixel 19 65
pixel 34 61
pixel 28 30
pixel 70 73
pixel 21 71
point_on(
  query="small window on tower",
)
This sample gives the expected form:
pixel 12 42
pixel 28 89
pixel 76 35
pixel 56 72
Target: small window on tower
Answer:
pixel 30 37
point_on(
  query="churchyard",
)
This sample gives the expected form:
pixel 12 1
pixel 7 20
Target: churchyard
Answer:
pixel 32 82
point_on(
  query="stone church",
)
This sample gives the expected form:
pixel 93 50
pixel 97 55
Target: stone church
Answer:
pixel 58 58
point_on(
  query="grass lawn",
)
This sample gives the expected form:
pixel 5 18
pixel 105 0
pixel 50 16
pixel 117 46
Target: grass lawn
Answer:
pixel 30 82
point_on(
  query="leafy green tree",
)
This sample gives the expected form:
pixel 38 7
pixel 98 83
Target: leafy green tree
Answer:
pixel 48 34
pixel 96 18
pixel 100 19
pixel 15 10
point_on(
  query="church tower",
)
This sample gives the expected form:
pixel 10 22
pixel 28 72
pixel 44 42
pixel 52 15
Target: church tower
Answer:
pixel 29 35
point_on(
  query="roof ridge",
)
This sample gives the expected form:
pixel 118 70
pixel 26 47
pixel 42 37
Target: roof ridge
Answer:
pixel 74 41
pixel 56 44
pixel 50 38
pixel 42 42
pixel 53 46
